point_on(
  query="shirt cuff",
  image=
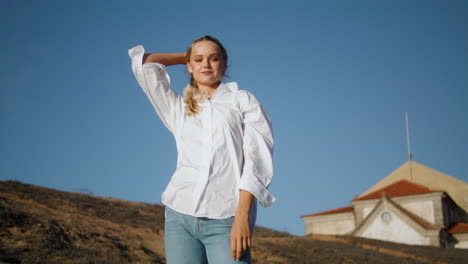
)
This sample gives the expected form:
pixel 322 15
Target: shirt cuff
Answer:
pixel 136 54
pixel 260 192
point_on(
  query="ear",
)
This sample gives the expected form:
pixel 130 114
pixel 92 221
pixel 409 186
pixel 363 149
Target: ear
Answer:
pixel 189 68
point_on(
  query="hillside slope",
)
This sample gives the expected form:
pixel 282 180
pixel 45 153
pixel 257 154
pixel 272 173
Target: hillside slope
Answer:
pixel 40 225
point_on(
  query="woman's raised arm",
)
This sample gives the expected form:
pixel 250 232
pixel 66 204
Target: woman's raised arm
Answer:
pixel 166 59
pixel 155 82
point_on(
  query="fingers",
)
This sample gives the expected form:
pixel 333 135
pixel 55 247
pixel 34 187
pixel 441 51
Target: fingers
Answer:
pixel 239 246
pixel 240 238
pixel 239 249
pixel 244 244
pixel 233 247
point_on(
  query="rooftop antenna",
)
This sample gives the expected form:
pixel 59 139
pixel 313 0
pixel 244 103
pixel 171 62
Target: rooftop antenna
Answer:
pixel 410 155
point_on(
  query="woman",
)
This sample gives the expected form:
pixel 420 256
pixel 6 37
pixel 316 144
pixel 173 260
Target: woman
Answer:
pixel 225 144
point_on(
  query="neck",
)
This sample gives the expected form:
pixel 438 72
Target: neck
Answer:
pixel 206 89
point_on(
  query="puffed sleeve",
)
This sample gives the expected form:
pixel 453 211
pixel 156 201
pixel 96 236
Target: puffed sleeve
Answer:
pixel 155 82
pixel 258 150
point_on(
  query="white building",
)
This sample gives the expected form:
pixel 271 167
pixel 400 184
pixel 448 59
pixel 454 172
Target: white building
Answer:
pixel 413 205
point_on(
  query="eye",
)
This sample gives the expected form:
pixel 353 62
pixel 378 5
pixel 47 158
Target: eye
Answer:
pixel 215 59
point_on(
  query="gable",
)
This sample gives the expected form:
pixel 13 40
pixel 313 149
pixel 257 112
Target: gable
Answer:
pixel 420 174
pixel 388 221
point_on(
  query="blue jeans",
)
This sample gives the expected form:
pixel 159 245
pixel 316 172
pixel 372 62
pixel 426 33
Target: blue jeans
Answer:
pixel 198 240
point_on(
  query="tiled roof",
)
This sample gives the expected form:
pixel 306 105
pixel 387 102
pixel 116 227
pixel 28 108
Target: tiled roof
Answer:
pixel 346 209
pixel 399 188
pixel 459 228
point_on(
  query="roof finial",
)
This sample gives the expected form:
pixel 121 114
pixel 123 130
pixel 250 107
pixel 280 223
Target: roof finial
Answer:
pixel 410 155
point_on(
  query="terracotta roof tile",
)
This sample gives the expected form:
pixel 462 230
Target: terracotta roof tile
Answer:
pixel 399 188
pixel 346 209
pixel 459 228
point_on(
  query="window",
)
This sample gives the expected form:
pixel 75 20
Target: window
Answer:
pixel 386 217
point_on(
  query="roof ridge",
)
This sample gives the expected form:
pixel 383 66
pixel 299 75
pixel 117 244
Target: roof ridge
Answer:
pixel 344 209
pixel 400 188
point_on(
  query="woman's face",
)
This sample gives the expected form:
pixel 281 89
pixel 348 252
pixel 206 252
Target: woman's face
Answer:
pixel 206 64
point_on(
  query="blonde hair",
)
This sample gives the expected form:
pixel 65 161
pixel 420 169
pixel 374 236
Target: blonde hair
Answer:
pixel 192 94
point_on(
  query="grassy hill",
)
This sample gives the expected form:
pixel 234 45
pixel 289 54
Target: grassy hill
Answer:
pixel 40 225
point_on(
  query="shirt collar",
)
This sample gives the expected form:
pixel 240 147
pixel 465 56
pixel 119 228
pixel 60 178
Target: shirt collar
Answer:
pixel 225 88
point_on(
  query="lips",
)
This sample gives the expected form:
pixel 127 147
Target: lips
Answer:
pixel 206 72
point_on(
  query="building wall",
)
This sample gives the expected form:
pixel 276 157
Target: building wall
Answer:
pixel 366 210
pixel 334 224
pixel 462 244
pixel 436 208
pixel 422 208
pixel 462 240
pixel 395 230
pixel 362 209
pixel 426 206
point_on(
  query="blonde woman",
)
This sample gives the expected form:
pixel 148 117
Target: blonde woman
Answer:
pixel 225 144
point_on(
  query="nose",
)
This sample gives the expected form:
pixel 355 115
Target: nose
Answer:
pixel 207 64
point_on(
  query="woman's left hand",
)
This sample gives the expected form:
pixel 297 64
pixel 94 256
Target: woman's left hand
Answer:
pixel 240 236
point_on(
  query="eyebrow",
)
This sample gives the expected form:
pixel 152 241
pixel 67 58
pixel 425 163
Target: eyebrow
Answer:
pixel 212 54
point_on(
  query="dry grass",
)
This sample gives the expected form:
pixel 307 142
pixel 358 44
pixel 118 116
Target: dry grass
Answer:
pixel 40 225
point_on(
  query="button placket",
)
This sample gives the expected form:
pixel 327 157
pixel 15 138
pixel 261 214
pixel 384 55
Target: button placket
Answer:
pixel 205 153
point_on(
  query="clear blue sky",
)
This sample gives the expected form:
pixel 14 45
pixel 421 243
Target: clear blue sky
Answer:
pixel 336 77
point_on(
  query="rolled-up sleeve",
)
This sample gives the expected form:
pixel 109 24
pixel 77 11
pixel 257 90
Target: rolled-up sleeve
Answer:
pixel 258 150
pixel 155 82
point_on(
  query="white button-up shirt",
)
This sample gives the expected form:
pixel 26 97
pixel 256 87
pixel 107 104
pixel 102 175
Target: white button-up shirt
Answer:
pixel 226 147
